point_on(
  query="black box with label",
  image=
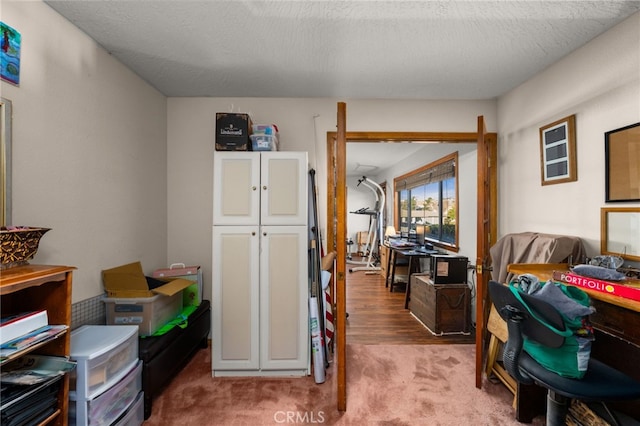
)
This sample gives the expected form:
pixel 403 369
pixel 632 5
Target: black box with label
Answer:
pixel 448 269
pixel 233 131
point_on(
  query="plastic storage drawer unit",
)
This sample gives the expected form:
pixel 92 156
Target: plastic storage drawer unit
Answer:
pixel 135 415
pixel 104 355
pixel 109 406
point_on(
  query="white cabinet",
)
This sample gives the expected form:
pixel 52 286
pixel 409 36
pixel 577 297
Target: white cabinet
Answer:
pixel 260 270
pixel 260 188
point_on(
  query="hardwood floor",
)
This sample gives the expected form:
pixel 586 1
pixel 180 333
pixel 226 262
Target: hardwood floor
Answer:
pixel 377 316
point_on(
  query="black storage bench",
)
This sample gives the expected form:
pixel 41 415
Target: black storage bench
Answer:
pixel 164 356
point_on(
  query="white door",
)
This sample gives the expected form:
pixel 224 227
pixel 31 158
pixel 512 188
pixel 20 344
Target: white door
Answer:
pixel 284 283
pixel 236 183
pixel 284 187
pixel 235 320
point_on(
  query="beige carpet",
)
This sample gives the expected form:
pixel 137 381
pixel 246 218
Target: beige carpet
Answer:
pixel 386 385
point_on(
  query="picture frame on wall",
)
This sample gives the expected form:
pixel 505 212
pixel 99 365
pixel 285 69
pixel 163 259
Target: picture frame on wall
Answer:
pixel 6 113
pixel 558 162
pixel 10 47
pixel 622 164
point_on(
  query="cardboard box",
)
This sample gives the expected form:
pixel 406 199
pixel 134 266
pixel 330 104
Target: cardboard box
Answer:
pixel 132 302
pixel 191 295
pixel 233 131
pixel 129 281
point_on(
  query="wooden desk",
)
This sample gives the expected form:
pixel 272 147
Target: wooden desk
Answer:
pixel 544 272
pixel 411 255
pixel 617 340
pixel 411 251
pixel 391 257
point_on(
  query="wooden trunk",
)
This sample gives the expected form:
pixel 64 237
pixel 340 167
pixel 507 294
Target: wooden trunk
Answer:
pixel 442 308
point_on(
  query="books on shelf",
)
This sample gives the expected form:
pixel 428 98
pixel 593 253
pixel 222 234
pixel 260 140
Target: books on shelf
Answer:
pixel 43 334
pixel 34 369
pixel 15 326
pixel 30 404
pixel 629 289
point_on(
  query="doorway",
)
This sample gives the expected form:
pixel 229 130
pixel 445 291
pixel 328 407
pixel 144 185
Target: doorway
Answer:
pixel 336 213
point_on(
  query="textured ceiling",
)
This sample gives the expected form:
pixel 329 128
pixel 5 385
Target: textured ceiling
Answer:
pixel 342 49
pixel 345 49
pixel 371 158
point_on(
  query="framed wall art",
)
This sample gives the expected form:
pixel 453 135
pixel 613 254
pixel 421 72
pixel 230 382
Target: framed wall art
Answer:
pixel 10 45
pixel 5 161
pixel 558 151
pixel 622 164
pixel 619 230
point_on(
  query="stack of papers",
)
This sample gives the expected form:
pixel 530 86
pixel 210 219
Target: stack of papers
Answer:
pixel 43 334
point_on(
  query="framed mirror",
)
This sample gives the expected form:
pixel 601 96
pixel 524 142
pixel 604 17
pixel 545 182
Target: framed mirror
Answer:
pixel 622 164
pixel 620 232
pixel 5 161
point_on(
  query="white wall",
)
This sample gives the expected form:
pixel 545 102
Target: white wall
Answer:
pixel 600 84
pixel 303 125
pixel 89 151
pixel 122 174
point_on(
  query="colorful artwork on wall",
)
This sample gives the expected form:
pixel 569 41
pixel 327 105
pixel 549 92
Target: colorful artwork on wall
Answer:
pixel 10 40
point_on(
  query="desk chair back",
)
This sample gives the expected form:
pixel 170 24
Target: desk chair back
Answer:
pixel 508 305
pixel 601 382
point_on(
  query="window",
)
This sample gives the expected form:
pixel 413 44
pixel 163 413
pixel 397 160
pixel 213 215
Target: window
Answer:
pixel 428 202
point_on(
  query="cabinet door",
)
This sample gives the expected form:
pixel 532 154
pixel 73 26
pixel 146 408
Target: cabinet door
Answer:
pixel 284 283
pixel 235 298
pixel 236 183
pixel 284 188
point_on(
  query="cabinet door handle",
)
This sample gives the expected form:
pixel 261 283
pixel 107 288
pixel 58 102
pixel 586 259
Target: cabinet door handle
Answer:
pixel 264 234
pixel 264 187
pixel 253 233
pixel 253 188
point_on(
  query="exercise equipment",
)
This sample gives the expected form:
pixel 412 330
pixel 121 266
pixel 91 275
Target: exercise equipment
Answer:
pixel 375 226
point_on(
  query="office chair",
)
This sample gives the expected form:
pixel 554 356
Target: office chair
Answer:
pixel 601 383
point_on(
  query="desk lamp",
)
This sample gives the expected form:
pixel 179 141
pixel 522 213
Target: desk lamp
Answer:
pixel 389 232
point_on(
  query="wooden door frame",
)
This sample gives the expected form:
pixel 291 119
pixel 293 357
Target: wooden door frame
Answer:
pixel 486 229
pixel 336 216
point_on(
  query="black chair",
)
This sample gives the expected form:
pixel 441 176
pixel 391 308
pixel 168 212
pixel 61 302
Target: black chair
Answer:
pixel 601 383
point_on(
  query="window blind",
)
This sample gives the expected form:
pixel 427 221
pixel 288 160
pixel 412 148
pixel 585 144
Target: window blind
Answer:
pixel 431 174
